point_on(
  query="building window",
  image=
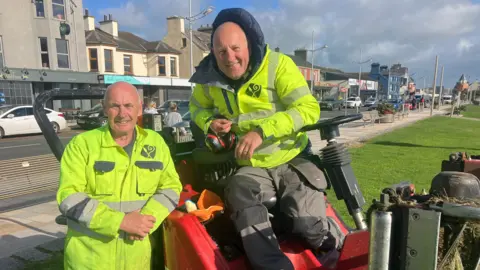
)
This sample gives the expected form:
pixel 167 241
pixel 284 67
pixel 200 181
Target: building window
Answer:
pixel 58 7
pixel 127 64
pixel 173 66
pixel 39 8
pixel 62 53
pixel 92 55
pixel 1 54
pixel 44 52
pixel 184 42
pixel 162 70
pixel 108 60
pixel 15 93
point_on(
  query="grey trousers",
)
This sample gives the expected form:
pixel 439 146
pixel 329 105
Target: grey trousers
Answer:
pixel 298 187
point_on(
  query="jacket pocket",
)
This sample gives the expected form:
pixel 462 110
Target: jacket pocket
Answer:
pixel 104 177
pixel 148 176
pixel 310 171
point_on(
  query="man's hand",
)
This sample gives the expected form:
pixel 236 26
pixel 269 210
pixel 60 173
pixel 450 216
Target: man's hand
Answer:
pixel 137 225
pixel 247 145
pixel 221 126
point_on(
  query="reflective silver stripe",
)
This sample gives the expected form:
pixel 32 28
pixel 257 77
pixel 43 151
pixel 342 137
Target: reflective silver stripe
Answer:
pixel 86 231
pixel 253 115
pixel 79 207
pixel 126 206
pixel 296 94
pixel 296 118
pixel 272 148
pixel 254 229
pixel 272 69
pixel 273 96
pixel 207 92
pixel 168 198
pixel 196 103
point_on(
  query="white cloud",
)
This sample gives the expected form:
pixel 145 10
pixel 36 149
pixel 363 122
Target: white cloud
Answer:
pixel 405 31
pixel 127 15
pixel 464 46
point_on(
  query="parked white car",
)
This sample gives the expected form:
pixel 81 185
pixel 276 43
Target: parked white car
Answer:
pixel 447 99
pixel 353 102
pixel 19 120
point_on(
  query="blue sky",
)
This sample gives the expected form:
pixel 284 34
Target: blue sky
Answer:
pixel 404 31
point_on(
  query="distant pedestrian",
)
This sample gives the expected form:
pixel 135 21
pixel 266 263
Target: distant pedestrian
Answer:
pixel 152 108
pixel 174 118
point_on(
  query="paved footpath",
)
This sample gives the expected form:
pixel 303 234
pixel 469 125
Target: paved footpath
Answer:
pixel 31 234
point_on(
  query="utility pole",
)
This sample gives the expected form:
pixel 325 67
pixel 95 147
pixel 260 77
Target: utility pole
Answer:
pixel 312 77
pixel 313 50
pixel 441 89
pixel 191 41
pixel 434 86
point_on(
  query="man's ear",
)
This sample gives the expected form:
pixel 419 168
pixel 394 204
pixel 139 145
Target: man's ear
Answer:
pixel 140 108
pixel 103 106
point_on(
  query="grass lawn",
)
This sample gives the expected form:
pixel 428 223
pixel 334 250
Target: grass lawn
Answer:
pixel 411 154
pixel 472 111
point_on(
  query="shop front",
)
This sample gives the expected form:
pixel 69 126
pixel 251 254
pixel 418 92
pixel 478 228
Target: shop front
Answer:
pixel 368 89
pixel 21 86
pixel 155 89
pixel 331 89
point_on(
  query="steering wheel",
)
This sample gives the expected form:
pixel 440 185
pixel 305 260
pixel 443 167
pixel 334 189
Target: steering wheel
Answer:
pixel 329 127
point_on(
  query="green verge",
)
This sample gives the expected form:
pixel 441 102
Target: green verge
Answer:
pixel 413 153
pixel 472 111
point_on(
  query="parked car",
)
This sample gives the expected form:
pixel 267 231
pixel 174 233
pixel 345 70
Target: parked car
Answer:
pixel 353 102
pixel 370 102
pixel 447 99
pixel 330 104
pixel 92 118
pixel 19 120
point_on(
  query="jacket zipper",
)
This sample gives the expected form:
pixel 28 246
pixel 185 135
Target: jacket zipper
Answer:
pixel 227 101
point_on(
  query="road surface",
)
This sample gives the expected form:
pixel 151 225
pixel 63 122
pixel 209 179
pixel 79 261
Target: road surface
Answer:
pixel 331 114
pixel 30 145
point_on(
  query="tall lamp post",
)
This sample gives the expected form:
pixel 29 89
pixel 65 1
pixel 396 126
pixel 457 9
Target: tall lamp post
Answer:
pixel 360 63
pixel 313 50
pixel 190 20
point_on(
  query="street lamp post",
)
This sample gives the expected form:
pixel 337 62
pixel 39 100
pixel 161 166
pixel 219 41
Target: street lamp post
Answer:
pixel 360 63
pixel 313 50
pixel 190 20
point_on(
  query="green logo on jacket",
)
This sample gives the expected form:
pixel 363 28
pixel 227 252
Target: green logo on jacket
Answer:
pixel 254 90
pixel 149 151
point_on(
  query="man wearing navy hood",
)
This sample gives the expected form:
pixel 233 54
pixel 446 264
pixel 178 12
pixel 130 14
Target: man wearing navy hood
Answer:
pixel 263 98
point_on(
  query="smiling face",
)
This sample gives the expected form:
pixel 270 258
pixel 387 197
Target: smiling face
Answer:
pixel 230 47
pixel 122 105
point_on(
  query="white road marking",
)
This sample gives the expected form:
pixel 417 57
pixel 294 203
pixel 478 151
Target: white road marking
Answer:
pixel 18 146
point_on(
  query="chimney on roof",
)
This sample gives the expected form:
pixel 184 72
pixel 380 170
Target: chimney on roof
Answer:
pixel 88 21
pixel 302 54
pixel 175 25
pixel 277 49
pixel 109 25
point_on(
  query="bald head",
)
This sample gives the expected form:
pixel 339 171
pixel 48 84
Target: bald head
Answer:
pixel 123 106
pixel 230 47
pixel 122 88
